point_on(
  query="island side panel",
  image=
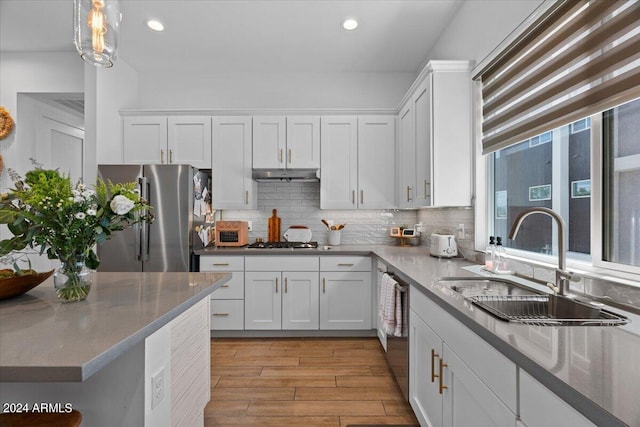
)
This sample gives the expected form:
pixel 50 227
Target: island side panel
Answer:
pixel 114 396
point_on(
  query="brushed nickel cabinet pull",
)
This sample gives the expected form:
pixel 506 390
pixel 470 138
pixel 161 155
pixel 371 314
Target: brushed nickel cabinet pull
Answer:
pixel 281 155
pixel 353 197
pixel 408 188
pixel 361 196
pixel 276 285
pixel 285 285
pixel 224 286
pixel 246 197
pixel 220 314
pixel 170 156
pixel 162 156
pixel 426 192
pixel 220 263
pixel 441 386
pixel 290 155
pixel 324 285
pixel 434 355
pixel 345 264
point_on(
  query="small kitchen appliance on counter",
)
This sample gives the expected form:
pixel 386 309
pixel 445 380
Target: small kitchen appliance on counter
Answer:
pixel 232 233
pixel 444 246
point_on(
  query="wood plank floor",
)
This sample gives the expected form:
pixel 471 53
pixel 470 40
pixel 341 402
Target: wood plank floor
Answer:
pixel 303 382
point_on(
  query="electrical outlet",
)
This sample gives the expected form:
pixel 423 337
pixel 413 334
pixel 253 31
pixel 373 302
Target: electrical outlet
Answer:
pixel 157 388
pixel 461 231
pixel 249 225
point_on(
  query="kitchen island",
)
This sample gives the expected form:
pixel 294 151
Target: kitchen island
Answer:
pixel 102 355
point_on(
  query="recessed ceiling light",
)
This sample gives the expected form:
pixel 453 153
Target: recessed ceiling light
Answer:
pixel 350 24
pixel 155 25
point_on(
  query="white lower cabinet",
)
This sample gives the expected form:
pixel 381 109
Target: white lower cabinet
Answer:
pixel 345 292
pixel 281 293
pixel 539 406
pixel 455 380
pixel 227 302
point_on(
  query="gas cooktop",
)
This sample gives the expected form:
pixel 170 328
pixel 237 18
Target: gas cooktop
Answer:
pixel 283 245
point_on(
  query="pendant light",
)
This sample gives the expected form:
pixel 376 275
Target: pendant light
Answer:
pixel 96 24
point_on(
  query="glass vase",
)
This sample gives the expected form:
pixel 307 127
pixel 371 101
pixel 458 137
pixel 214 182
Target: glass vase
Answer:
pixel 73 280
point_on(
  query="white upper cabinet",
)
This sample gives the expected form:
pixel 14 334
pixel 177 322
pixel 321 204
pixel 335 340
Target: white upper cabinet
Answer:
pixel 435 162
pixel 286 142
pixel 189 141
pixel 167 140
pixel 339 165
pixel 407 157
pixel 144 139
pixel 303 142
pixel 358 162
pixel 233 187
pixel 269 142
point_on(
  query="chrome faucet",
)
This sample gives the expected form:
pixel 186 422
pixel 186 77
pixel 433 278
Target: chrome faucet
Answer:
pixel 562 275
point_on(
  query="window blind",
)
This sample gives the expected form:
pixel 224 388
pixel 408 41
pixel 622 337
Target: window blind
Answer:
pixel 581 57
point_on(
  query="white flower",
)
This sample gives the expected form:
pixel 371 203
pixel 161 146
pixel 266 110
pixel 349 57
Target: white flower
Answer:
pixel 75 192
pixel 80 215
pixel 81 187
pixel 78 199
pixel 91 212
pixel 88 193
pixel 121 205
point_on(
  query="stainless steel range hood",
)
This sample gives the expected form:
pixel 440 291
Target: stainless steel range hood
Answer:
pixel 298 175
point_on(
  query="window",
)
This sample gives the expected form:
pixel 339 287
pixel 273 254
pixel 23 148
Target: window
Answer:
pixel 544 174
pixel 621 186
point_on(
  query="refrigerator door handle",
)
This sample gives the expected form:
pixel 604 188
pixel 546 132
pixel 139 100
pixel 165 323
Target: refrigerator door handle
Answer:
pixel 144 226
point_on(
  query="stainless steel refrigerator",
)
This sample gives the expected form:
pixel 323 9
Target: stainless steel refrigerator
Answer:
pixel 168 243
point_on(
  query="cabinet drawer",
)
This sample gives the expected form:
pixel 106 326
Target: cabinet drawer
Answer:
pixel 282 263
pixel 345 263
pixel 233 289
pixel 227 314
pixel 221 263
pixel 491 366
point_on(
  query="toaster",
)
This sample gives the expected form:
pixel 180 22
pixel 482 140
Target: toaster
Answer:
pixel 444 246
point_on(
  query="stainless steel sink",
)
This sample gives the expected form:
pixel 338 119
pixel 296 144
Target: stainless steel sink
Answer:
pixel 478 286
pixel 517 303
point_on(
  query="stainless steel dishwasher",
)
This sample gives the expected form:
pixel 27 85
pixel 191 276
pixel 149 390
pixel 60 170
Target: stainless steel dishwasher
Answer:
pixel 398 346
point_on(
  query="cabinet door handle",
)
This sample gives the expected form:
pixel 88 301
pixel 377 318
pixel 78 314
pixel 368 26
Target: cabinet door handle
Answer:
pixel 286 285
pixel 276 285
pixel 434 355
pixel 426 192
pixel 246 197
pixel 345 264
pixel 408 190
pixel 353 197
pixel 220 314
pixel 281 155
pixel 324 285
pixel 162 156
pixel 361 197
pixel 170 156
pixel 224 286
pixel 441 387
pixel 220 263
pixel 290 155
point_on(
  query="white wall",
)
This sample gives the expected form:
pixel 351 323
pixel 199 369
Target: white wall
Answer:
pixel 479 26
pixel 164 89
pixel 33 72
pixel 116 88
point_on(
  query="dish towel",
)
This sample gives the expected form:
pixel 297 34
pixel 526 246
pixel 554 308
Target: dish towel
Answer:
pixel 390 308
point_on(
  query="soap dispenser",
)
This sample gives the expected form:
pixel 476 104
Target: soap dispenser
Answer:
pixel 489 255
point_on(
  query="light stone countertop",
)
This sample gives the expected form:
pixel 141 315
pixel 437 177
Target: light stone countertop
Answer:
pixel 43 340
pixel 594 369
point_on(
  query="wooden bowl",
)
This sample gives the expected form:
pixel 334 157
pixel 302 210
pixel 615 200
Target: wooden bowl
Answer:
pixel 14 286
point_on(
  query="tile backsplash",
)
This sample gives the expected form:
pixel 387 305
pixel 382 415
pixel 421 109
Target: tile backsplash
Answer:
pixel 298 203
